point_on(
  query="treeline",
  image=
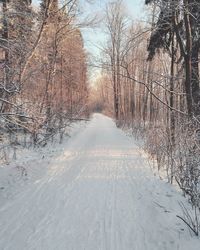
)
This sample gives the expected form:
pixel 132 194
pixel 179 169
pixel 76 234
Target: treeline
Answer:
pixel 150 78
pixel 43 73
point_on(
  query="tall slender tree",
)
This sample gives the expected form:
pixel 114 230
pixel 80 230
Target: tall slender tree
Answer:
pixel 180 18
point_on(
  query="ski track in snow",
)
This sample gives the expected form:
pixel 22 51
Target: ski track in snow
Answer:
pixel 98 194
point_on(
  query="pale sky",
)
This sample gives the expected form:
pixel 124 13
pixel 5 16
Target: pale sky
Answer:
pixel 93 38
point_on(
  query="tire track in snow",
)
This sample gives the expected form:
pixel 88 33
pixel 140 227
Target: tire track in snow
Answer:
pixel 98 195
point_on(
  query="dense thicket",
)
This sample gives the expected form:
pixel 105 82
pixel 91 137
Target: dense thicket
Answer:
pixel 43 75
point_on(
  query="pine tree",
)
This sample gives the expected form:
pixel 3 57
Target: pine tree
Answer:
pixel 182 19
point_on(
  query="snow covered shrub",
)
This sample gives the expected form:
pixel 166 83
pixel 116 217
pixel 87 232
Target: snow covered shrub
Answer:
pixel 156 145
pixel 187 158
pixel 179 159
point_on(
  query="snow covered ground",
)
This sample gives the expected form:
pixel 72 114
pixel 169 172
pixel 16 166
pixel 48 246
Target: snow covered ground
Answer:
pixel 93 192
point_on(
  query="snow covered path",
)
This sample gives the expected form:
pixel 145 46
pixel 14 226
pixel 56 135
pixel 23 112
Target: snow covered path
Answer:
pixel 99 194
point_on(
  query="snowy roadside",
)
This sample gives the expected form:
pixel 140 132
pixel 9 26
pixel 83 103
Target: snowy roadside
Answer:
pixel 31 164
pixel 137 138
pixel 182 208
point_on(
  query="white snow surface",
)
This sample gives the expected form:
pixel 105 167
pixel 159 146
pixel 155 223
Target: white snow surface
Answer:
pixel 94 192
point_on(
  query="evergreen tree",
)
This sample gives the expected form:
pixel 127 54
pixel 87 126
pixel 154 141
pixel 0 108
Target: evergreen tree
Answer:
pixel 181 18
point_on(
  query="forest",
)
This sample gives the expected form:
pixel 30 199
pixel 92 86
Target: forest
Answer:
pixel 43 70
pixel 150 84
pixel 147 80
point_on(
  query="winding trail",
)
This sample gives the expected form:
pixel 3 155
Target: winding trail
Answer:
pixel 99 194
